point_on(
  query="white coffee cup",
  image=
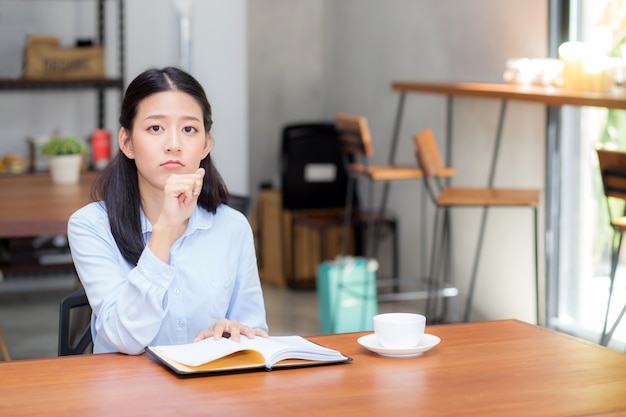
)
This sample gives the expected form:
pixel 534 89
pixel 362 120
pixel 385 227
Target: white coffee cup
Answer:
pixel 399 330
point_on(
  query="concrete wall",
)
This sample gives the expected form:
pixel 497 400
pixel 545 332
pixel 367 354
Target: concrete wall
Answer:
pixel 310 59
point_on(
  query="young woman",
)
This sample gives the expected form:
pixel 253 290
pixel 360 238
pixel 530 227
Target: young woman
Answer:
pixel 163 260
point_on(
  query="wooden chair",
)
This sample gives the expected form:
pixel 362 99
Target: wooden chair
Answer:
pixel 445 198
pixel 613 172
pixel 4 350
pixel 356 146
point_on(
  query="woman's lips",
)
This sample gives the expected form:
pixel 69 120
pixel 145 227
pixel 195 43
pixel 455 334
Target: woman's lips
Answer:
pixel 172 164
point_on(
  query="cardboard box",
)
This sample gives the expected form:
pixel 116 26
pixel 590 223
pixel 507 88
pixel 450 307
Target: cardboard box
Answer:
pixel 42 41
pixel 45 60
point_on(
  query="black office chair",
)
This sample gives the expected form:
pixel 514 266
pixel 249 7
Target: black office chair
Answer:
pixel 74 325
pixel 241 203
pixel 312 173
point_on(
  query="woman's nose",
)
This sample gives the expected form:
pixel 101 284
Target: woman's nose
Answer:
pixel 173 142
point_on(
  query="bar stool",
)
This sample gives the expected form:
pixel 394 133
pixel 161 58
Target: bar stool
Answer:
pixel 445 198
pixel 613 172
pixel 356 145
pixel 322 223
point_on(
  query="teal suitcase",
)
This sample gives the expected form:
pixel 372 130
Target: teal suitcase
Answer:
pixel 346 294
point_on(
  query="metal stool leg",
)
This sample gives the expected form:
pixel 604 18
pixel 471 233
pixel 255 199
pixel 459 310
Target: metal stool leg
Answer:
pixel 431 268
pixel 609 334
pixel 347 216
pixel 446 274
pixel 369 234
pixel 395 255
pixel 470 295
pixel 537 307
pixel 435 257
pixel 468 307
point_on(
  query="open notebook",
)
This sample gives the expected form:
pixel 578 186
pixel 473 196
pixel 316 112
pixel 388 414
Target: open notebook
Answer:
pixel 260 353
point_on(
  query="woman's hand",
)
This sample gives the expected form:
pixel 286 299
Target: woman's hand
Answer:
pixel 181 194
pixel 229 328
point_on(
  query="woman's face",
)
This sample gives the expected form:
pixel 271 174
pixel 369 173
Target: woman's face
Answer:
pixel 168 137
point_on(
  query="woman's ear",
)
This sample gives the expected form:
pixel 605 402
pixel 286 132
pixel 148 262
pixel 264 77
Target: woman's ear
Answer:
pixel 208 145
pixel 124 142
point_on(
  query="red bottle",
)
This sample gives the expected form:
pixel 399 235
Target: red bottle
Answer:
pixel 100 148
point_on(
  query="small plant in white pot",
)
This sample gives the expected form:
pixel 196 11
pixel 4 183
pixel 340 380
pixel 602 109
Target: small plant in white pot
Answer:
pixel 65 156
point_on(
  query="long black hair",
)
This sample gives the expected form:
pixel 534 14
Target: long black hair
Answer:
pixel 118 185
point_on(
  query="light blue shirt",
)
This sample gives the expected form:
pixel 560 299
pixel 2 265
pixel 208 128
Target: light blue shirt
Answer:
pixel 212 273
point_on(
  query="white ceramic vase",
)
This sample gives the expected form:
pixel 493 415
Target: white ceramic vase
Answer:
pixel 65 169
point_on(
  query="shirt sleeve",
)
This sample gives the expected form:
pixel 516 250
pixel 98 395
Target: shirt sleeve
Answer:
pixel 128 302
pixel 247 305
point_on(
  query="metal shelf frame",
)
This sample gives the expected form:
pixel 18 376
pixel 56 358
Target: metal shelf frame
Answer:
pixel 99 85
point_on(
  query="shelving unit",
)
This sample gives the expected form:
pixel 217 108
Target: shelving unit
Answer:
pixel 98 85
pixel 22 265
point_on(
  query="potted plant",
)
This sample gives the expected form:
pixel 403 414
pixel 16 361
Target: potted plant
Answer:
pixel 65 156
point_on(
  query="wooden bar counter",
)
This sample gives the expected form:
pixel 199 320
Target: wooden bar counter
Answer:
pixel 554 99
pixel 500 368
pixel 544 95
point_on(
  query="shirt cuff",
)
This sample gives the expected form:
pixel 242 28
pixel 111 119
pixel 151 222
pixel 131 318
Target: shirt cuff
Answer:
pixel 155 270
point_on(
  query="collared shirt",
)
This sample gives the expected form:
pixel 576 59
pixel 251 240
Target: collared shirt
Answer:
pixel 212 273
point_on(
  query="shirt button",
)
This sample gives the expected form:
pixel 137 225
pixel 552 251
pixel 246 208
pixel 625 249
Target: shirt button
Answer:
pixel 169 272
pixel 176 291
pixel 181 323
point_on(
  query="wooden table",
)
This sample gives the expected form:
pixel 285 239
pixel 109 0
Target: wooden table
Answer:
pixel 501 368
pixel 31 205
pixel 554 99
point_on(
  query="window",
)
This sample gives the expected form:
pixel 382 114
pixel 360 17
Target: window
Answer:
pixel 585 238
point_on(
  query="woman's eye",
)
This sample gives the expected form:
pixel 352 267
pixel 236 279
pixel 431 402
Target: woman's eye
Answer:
pixel 154 128
pixel 189 129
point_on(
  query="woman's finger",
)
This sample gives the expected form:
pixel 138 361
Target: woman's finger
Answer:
pixel 260 332
pixel 204 334
pixel 220 328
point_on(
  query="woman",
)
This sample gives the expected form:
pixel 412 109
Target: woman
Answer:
pixel 163 260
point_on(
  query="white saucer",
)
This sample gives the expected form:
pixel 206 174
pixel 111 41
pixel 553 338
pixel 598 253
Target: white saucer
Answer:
pixel 370 342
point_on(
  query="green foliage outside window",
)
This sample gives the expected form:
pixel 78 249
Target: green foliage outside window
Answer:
pixel 612 136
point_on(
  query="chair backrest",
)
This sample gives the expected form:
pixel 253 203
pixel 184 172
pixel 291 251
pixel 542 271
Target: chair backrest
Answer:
pixel 428 155
pixel 74 333
pixel 354 135
pixel 240 202
pixel 613 171
pixel 313 174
